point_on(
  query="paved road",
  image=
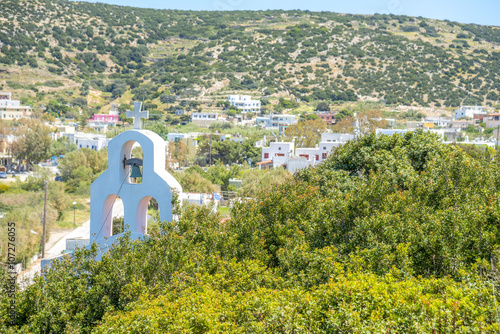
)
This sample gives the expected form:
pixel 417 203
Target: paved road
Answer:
pixel 21 176
pixel 82 232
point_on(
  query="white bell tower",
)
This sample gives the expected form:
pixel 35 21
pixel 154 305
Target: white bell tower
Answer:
pixel 116 181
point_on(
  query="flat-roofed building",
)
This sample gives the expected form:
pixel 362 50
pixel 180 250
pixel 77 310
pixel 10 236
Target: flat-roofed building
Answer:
pixel 244 103
pixel 204 118
pixel 275 121
pixel 12 109
pixel 327 117
pixel 492 120
pixel 469 112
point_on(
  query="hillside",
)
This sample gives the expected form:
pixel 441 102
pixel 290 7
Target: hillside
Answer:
pixel 92 55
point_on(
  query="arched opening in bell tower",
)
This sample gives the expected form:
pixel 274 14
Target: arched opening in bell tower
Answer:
pixel 112 208
pixel 118 217
pixel 133 162
pixel 148 214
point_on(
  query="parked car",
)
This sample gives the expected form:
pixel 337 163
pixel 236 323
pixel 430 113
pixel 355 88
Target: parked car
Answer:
pixel 59 178
pixel 3 175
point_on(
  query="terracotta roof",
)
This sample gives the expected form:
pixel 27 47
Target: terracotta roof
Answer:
pixel 265 162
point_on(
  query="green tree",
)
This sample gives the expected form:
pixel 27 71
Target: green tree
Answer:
pixel 306 133
pixel 255 180
pixel 323 106
pixel 61 146
pixel 342 114
pixel 80 168
pixel 33 143
pixel 178 151
pixel 123 118
pixel 158 128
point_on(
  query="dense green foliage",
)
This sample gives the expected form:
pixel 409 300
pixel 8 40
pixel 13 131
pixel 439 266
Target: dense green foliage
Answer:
pixel 314 56
pixel 229 151
pixel 80 168
pixel 395 234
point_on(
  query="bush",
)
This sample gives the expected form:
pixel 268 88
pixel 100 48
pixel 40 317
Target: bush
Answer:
pixel 4 187
pixel 53 83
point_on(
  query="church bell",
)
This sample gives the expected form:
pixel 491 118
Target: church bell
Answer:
pixel 134 163
pixel 136 172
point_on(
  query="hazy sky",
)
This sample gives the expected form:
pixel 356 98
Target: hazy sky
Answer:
pixel 465 11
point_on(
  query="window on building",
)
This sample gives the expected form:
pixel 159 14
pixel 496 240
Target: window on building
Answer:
pixel 266 155
pixel 324 155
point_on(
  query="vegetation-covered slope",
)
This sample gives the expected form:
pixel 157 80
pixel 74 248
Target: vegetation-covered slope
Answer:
pixel 74 50
pixel 395 234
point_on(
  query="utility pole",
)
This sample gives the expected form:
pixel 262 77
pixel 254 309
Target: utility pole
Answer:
pixel 210 164
pixel 44 220
pixel 74 215
pixel 217 132
pixel 496 143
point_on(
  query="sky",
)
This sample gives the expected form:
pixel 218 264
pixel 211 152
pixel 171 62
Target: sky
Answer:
pixel 464 11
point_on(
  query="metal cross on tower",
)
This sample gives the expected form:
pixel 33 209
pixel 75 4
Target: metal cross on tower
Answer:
pixel 137 114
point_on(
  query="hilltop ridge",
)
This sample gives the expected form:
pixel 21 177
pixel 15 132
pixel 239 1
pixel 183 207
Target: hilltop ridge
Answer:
pixel 64 50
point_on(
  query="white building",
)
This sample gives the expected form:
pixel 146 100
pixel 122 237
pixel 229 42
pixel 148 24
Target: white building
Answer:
pixel 63 130
pixel 284 154
pixel 469 112
pixel 311 154
pixel 439 121
pixel 204 118
pixel 492 120
pixel 89 140
pixel 291 164
pixel 278 149
pixel 198 199
pixel 336 137
pixel 12 109
pixel 319 153
pixel 244 103
pixel 278 122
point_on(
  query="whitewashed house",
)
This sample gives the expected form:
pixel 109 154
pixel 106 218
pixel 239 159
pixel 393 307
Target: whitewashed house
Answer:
pixel 244 103
pixel 93 141
pixel 469 112
pixel 276 121
pixel 285 155
pixel 319 153
pixel 204 118
pixel 336 137
pixel 278 149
